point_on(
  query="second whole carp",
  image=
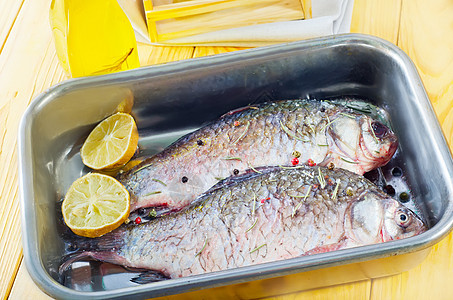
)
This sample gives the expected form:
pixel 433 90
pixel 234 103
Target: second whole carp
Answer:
pixel 254 218
pixel 291 132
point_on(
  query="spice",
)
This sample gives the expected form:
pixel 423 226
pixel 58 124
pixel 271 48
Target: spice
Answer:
pixel 311 163
pixel 331 166
pixel 236 123
pixel 296 154
pixel 235 171
pixel 184 179
pixel 263 200
pixel 295 161
pixel 138 220
pixel 200 143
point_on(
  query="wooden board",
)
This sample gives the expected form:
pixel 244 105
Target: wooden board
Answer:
pixel 28 66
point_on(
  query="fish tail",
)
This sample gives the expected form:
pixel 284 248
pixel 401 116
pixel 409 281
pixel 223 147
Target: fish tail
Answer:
pixel 104 249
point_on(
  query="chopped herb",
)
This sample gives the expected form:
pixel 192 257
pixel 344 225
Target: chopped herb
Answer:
pixel 335 192
pixel 231 158
pixel 301 201
pixel 258 248
pixel 160 181
pixel 289 167
pixel 204 246
pixel 288 132
pixel 308 174
pixel 255 170
pixel 347 115
pixel 322 145
pixel 243 133
pixel 348 161
pixel 372 131
pixel 142 167
pixel 321 179
pixel 153 193
pixel 219 178
pixel 253 225
pixel 254 203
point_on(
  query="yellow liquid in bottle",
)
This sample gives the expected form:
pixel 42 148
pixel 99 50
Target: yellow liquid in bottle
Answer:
pixel 93 37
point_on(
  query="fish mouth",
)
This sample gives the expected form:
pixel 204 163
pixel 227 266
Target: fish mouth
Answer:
pixel 383 156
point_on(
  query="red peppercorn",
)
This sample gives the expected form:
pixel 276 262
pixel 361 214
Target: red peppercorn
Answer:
pixel 138 220
pixel 311 163
pixel 295 161
pixel 268 198
pixel 236 123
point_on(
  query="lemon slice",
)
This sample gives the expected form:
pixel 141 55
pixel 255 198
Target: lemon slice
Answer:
pixel 112 143
pixel 95 204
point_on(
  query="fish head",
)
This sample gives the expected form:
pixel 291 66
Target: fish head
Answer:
pixel 359 143
pixel 376 217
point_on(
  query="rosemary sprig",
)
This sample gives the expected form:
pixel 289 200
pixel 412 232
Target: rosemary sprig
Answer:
pixel 141 168
pixel 290 168
pixel 153 193
pixel 288 132
pixel 254 203
pixel 301 201
pixel 160 181
pixel 372 131
pixel 254 170
pixel 308 174
pixel 231 158
pixel 320 177
pixel 204 246
pixel 347 115
pixel 335 192
pixel 258 248
pixel 348 161
pixel 253 225
pixel 243 133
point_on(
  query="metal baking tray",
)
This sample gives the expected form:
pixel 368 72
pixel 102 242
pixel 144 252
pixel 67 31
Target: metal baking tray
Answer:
pixel 175 98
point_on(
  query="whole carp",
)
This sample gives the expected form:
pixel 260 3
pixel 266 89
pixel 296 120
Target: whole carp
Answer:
pixel 291 132
pixel 262 217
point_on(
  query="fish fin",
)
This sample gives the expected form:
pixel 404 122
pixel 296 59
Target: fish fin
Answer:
pixel 149 276
pixel 326 248
pixel 105 256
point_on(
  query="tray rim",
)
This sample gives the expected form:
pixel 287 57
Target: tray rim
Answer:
pixel 346 256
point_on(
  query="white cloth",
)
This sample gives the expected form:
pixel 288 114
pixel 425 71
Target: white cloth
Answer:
pixel 329 17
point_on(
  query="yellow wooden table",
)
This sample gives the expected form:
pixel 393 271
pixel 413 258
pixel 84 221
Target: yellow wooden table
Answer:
pixel 29 65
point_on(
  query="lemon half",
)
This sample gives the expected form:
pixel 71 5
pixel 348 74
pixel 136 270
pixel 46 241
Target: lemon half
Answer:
pixel 95 204
pixel 111 144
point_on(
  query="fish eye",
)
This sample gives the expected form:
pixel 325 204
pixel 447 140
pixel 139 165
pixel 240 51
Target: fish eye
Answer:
pixel 403 218
pixel 379 129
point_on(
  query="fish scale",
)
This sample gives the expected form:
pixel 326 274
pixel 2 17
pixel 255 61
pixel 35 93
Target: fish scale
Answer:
pixel 248 138
pixel 225 233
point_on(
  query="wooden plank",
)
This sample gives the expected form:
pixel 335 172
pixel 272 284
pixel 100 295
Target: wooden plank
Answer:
pixel 430 280
pixel 431 49
pixel 27 289
pixel 27 66
pixel 8 15
pixel 153 55
pixel 379 18
pixel 358 290
pixel 425 35
pixel 205 51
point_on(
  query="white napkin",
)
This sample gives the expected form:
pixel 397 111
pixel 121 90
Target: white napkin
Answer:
pixel 328 17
